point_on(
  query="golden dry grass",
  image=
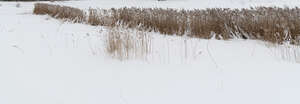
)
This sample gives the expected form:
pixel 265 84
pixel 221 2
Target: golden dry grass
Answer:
pixel 60 12
pixel 99 17
pixel 272 24
pixel 122 43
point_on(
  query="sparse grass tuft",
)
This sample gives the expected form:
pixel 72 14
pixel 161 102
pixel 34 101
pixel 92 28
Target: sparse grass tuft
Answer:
pixel 285 52
pixel 124 43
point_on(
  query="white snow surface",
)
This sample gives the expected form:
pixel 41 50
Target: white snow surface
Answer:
pixel 47 61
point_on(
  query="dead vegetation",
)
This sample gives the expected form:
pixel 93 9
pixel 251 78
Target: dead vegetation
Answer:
pixel 122 43
pixel 60 12
pixel 272 24
pixel 99 17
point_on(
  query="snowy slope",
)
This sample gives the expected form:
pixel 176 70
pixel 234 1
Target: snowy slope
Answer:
pixel 46 61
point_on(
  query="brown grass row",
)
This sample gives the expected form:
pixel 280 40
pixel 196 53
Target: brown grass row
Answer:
pixel 60 12
pixel 272 24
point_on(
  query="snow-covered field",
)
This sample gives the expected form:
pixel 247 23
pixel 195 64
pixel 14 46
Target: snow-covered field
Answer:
pixel 47 61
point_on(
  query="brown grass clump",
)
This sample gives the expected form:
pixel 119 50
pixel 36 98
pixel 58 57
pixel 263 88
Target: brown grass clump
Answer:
pixel 99 17
pixel 126 44
pixel 165 21
pixel 60 12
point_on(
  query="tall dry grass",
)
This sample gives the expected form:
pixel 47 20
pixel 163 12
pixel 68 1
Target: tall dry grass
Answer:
pixel 122 43
pixel 99 17
pixel 272 24
pixel 60 12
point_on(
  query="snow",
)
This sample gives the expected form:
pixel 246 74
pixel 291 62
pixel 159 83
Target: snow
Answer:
pixel 47 61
